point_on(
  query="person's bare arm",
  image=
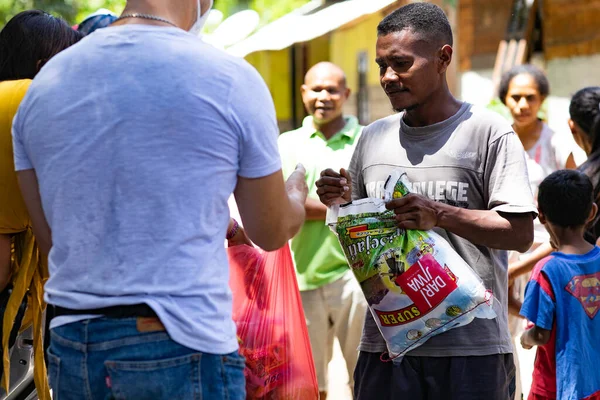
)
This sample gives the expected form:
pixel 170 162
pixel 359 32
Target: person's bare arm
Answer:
pixel 514 304
pixel 272 210
pixel 239 238
pixel 571 164
pixel 334 188
pixel 28 184
pixel 535 336
pixel 488 228
pixel 315 210
pixel 528 261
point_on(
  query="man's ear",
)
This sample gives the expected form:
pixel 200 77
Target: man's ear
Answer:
pixel 593 213
pixel 303 89
pixel 347 93
pixel 542 217
pixel 572 127
pixel 303 94
pixel 445 57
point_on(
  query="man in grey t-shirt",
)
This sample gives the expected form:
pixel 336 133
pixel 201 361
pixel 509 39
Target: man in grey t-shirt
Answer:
pixel 469 177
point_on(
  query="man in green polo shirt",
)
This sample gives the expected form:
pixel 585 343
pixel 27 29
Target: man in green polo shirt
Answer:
pixel 333 301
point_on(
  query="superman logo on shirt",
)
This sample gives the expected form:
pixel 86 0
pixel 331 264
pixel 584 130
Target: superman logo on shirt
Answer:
pixel 586 289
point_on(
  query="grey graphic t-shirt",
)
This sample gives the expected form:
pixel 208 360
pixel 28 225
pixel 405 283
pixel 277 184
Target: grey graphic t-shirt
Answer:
pixel 472 160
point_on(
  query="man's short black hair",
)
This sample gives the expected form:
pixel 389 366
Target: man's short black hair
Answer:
pixel 526 69
pixel 422 18
pixel 565 198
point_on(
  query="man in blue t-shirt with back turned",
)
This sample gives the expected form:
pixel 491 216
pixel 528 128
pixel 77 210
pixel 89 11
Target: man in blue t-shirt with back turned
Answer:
pixel 137 139
pixel 562 299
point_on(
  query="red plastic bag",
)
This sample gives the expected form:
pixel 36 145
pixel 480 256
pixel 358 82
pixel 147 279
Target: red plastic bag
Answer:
pixel 271 327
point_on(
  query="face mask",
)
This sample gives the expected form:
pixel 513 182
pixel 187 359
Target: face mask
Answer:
pixel 200 19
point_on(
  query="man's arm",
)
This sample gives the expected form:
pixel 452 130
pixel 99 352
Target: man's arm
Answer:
pixel 527 261
pixel 488 228
pixel 30 191
pixel 514 303
pixel 272 210
pixel 315 210
pixel 535 336
pixel 239 237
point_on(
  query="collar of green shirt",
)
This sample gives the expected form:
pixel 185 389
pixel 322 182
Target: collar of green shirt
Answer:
pixel 351 129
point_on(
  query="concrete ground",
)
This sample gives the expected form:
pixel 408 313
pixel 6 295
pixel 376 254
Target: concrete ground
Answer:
pixel 338 376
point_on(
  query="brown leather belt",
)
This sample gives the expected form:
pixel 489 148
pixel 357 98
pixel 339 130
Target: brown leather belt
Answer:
pixel 131 311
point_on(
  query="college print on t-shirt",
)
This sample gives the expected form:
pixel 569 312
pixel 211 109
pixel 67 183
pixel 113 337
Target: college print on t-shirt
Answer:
pixel 453 193
pixel 586 289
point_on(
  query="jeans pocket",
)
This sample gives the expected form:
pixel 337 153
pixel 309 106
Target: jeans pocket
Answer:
pixel 53 373
pixel 233 376
pixel 173 378
pixel 234 360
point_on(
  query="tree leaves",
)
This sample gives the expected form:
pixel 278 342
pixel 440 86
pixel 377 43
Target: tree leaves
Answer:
pixel 75 10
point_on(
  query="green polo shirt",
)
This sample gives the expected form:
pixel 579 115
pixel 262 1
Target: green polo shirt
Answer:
pixel 317 254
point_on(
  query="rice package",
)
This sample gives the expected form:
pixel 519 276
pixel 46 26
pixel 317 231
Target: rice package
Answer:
pixel 416 285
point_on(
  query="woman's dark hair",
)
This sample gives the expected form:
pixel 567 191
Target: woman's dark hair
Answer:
pixel 537 74
pixel 29 40
pixel 585 112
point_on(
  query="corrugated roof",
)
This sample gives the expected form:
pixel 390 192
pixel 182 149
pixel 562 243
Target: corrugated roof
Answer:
pixel 304 26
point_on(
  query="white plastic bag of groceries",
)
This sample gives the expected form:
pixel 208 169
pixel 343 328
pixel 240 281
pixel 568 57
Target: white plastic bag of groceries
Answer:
pixel 416 285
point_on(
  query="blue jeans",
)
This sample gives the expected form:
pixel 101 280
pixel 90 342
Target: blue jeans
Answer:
pixel 110 359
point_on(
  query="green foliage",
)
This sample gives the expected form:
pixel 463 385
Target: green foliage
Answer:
pixel 71 10
pixel 497 106
pixel 270 10
pixel 75 10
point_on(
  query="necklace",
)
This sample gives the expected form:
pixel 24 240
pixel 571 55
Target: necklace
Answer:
pixel 146 16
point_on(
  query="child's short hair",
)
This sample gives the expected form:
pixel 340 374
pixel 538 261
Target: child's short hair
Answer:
pixel 565 198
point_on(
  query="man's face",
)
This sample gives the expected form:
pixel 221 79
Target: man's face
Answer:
pixel 409 71
pixel 324 93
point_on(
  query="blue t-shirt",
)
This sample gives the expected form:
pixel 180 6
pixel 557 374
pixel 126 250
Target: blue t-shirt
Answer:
pixel 564 296
pixel 137 135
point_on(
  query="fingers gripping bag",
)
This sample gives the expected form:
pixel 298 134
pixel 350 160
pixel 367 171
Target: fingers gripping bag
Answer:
pixel 416 285
pixel 271 328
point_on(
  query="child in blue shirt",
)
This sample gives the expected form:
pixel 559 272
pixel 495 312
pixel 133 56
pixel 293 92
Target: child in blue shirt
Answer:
pixel 562 299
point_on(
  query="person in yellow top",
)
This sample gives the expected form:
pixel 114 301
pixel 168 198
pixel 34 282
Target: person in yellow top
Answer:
pixel 27 42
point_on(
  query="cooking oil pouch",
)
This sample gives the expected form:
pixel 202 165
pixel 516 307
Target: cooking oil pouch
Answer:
pixel 416 285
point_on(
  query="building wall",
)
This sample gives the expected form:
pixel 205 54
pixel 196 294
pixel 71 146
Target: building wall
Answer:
pixel 567 75
pixel 349 41
pixel 482 25
pixel 346 45
pixel 274 67
pixel 571 28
